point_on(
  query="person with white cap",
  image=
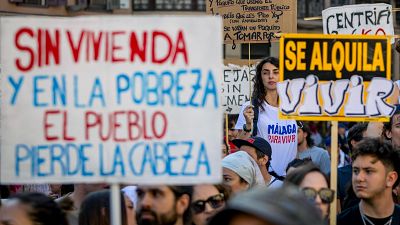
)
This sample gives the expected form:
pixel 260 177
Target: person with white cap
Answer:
pixel 241 172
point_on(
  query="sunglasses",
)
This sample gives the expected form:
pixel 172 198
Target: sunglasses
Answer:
pixel 215 202
pixel 325 194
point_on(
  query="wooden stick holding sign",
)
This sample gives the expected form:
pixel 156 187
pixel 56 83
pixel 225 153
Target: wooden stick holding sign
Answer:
pixel 334 163
pixel 250 83
pixel 115 204
pixel 227 133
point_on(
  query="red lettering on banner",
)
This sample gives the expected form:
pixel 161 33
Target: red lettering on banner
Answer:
pixel 126 125
pixel 47 125
pixel 116 47
pixel 159 35
pixel 64 126
pixel 135 49
pixel 25 31
pixel 180 48
pixel 48 46
pixel 96 45
pixel 106 46
pixel 117 124
pixel 75 48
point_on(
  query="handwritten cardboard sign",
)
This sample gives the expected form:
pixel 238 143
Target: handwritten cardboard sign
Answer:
pixel 335 77
pixel 95 99
pixel 371 19
pixel 236 87
pixel 255 21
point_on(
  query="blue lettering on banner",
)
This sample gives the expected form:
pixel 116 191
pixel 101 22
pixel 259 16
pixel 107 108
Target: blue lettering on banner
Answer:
pixel 16 85
pixel 37 90
pixel 172 158
pixel 182 88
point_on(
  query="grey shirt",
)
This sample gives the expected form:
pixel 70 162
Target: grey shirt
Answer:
pixel 319 157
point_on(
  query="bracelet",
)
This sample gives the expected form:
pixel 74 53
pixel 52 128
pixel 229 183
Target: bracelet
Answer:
pixel 245 128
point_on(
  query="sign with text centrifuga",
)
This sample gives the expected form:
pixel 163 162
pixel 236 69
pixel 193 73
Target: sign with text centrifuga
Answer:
pixel 111 99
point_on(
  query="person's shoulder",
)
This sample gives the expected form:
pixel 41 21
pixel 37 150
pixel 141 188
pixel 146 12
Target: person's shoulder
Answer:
pixel 345 169
pixel 318 149
pixel 348 215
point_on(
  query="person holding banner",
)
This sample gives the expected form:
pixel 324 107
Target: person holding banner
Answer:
pixel 260 117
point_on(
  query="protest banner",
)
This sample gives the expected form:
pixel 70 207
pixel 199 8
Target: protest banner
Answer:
pixel 111 99
pixel 235 87
pixel 255 21
pixel 335 77
pixel 365 19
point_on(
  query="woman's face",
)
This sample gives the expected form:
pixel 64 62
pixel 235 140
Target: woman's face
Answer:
pixel 130 211
pixel 269 76
pixel 233 180
pixel 316 181
pixel 203 193
pixel 15 213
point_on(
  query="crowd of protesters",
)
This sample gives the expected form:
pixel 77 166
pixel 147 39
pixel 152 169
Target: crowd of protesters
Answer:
pixel 264 181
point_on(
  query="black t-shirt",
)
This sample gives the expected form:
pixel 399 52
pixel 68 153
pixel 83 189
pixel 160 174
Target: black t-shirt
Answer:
pixel 352 216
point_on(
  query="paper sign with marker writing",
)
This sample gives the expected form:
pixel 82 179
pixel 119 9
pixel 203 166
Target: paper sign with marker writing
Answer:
pixel 366 19
pixel 254 21
pixel 236 87
pixel 335 77
pixel 96 99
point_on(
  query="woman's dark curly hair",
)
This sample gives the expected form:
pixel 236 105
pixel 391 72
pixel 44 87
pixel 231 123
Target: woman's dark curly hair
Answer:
pixel 259 91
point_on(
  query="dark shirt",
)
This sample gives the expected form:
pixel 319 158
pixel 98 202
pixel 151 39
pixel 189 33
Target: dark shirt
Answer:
pixel 346 194
pixel 344 181
pixel 352 216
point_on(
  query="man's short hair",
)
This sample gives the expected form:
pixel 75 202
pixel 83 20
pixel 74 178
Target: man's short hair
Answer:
pixel 382 150
pixel 178 192
pixel 356 133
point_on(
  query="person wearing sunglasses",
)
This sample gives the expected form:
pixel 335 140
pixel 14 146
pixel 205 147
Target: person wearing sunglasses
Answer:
pixel 314 184
pixel 207 200
pixel 268 206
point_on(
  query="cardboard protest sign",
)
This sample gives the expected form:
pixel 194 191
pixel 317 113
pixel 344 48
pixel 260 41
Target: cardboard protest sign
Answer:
pixel 255 21
pixel 335 77
pixel 111 99
pixel 372 19
pixel 236 87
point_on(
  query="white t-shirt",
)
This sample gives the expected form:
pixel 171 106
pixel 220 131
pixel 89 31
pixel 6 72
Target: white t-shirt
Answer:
pixel 281 135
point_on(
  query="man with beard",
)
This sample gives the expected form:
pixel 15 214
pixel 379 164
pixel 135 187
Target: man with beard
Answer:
pixel 164 205
pixel 375 172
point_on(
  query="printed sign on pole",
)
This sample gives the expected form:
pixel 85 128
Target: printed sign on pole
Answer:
pixel 335 77
pixel 111 99
pixel 371 19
